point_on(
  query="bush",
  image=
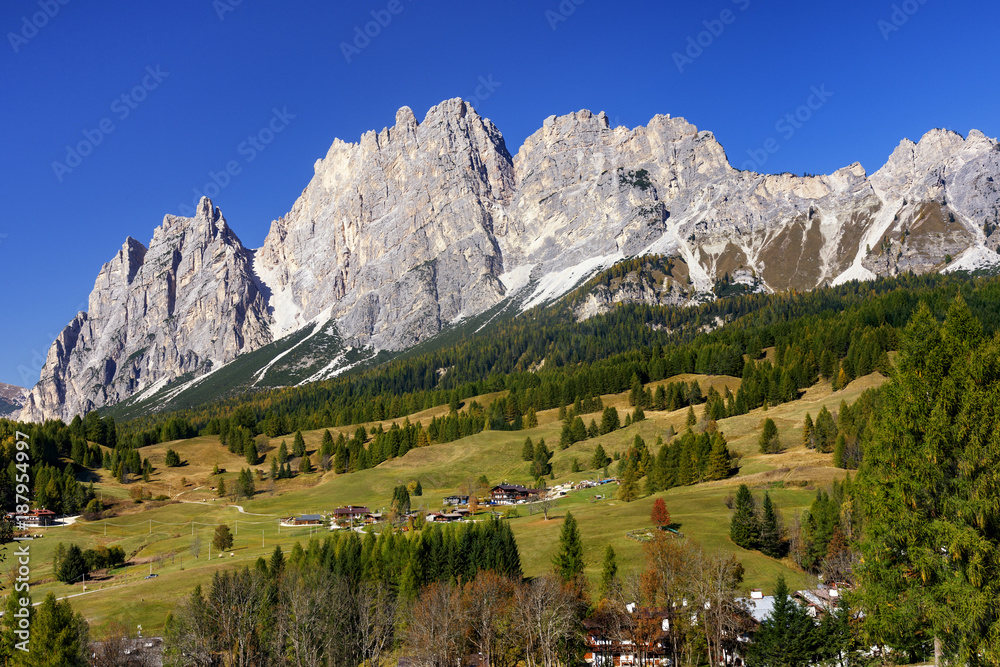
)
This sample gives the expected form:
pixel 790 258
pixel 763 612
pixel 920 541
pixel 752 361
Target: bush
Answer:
pixel 173 459
pixel 93 510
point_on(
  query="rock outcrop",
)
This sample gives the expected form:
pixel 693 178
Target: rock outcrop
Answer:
pixel 184 306
pixel 418 226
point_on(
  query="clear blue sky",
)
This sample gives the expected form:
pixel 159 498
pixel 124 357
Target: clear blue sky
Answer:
pixel 219 81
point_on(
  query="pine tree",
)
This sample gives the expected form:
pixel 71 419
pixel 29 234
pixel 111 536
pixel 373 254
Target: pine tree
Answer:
pixel 568 562
pixel 931 456
pixel 719 463
pixel 600 458
pixel 62 636
pixel 400 503
pixel 282 453
pixel 609 420
pixel 609 572
pixel 744 529
pixel 220 491
pixel 691 418
pixel 10 623
pixel 770 530
pixel 808 439
pixel 250 451
pixel 660 398
pixel 340 459
pixel 274 468
pixel 305 465
pixel 628 490
pixel 72 567
pixel 277 563
pixel 298 445
pixel 838 451
pixel 528 451
pixel 788 638
pixel 326 447
pixel 223 537
pixel 769 441
pixel 825 431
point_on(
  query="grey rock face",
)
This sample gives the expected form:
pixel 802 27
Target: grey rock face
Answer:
pixel 423 224
pixel 394 236
pixel 186 304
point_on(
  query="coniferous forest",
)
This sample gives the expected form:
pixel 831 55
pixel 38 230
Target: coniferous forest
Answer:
pixel 912 525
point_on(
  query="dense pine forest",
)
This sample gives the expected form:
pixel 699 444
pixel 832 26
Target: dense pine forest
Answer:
pixel 546 359
pixel 912 525
pixel 541 360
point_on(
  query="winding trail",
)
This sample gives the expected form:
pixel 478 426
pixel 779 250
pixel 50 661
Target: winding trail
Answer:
pixel 238 507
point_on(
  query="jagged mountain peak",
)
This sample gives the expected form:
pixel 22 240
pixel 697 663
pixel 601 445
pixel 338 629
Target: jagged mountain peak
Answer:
pixel 413 228
pixel 185 305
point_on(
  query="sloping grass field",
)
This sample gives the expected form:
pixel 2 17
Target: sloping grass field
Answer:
pixel 172 538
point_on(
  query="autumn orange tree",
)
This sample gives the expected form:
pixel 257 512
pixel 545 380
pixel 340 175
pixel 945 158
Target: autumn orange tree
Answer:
pixel 660 515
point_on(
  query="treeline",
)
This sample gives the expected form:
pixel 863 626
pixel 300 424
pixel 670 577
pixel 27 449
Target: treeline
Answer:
pixel 70 564
pixel 853 324
pixel 54 484
pixel 287 613
pixel 845 432
pixel 338 599
pixel 819 540
pixel 687 459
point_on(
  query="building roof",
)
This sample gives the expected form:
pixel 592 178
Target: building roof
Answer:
pixel 760 608
pixel 310 517
pixel 516 488
pixel 350 510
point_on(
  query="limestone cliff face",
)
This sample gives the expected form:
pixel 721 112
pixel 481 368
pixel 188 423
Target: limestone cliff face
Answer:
pixel 394 237
pixel 425 223
pixel 187 304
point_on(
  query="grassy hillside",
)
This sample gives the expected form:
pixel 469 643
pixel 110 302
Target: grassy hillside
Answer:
pixel 158 536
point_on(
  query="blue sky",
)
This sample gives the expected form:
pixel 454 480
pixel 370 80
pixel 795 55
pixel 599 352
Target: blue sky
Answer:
pixel 165 94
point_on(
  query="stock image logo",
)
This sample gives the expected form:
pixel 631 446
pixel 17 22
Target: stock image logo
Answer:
pixel 31 25
pixel 247 150
pixel 787 126
pixel 714 28
pixel 364 34
pixel 121 108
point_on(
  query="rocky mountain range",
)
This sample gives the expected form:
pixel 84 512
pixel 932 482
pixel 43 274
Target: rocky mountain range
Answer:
pixel 11 398
pixel 424 225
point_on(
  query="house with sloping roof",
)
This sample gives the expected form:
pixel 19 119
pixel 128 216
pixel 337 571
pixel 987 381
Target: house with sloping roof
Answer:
pixel 36 517
pixel 306 520
pixel 350 515
pixel 510 494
